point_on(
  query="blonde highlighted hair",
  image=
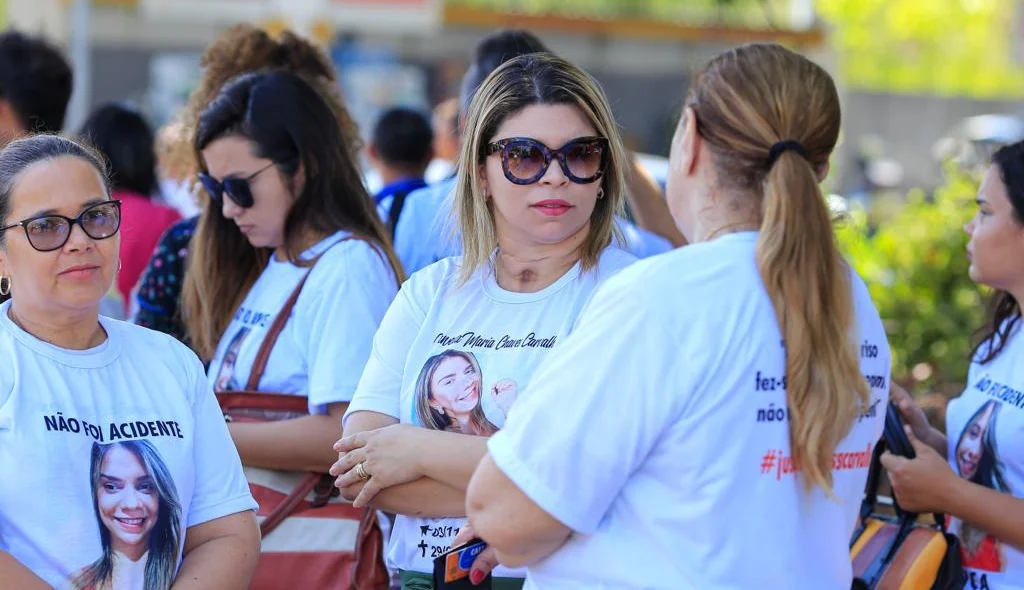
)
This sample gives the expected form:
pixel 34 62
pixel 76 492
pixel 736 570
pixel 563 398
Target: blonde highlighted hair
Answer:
pixel 536 78
pixel 746 101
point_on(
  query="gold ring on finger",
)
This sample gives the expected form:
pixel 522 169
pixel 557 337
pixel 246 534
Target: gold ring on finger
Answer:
pixel 361 471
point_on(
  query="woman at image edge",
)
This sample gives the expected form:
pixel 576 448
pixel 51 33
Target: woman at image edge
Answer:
pixel 537 226
pixel 673 415
pixel 62 366
pixel 973 472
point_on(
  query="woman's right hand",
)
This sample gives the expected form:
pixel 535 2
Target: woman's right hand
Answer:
pixel 913 415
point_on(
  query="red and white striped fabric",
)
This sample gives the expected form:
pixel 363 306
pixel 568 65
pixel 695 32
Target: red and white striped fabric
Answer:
pixel 314 547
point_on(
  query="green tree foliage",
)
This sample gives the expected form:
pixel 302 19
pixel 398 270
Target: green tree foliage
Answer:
pixel 949 47
pixel 915 266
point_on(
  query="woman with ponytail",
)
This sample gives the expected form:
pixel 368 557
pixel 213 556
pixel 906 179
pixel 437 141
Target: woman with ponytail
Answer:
pixel 710 421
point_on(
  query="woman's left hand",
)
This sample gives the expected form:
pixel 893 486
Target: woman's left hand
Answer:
pixel 389 457
pixel 484 563
pixel 921 484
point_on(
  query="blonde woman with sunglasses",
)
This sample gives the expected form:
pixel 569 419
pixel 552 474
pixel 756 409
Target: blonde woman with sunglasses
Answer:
pixel 540 181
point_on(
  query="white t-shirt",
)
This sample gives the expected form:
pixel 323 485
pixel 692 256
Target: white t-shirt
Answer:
pixel 140 405
pixel 447 354
pixel 985 430
pixel 666 441
pixel 326 341
pixel 425 233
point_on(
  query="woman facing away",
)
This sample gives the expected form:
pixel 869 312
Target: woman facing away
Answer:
pixel 540 180
pixel 710 412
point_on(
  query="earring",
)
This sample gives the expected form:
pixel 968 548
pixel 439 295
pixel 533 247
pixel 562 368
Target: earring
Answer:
pixel 119 265
pixel 5 286
pixel 600 193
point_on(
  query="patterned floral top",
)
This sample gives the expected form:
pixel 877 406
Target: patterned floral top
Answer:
pixel 159 291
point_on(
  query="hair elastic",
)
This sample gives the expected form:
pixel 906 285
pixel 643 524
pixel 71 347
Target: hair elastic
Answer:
pixel 783 146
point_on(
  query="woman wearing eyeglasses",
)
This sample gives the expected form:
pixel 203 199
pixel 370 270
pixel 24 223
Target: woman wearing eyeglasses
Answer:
pixel 71 379
pixel 541 179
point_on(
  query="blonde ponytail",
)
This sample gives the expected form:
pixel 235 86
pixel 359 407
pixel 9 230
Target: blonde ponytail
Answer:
pixel 771 118
pixel 809 285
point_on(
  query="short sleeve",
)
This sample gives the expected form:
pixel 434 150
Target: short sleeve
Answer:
pixel 424 232
pixel 342 318
pixel 380 386
pixel 593 410
pixel 220 486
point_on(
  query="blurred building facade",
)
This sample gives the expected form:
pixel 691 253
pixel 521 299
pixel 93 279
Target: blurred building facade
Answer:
pixel 413 52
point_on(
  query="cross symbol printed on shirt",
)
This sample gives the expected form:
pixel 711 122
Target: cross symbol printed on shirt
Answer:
pixel 423 548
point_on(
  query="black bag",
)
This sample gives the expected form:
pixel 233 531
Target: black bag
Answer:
pixel 900 551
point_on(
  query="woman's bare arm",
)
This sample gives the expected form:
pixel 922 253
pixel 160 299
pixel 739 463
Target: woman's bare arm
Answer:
pixel 221 553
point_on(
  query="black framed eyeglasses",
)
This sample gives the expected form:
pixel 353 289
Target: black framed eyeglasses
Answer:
pixel 525 160
pixel 50 232
pixel 237 189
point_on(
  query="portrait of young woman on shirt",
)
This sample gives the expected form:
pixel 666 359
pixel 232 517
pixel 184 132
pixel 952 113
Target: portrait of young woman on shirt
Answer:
pixel 286 204
pixel 139 515
pixel 90 406
pixel 541 179
pixel 974 473
pixel 694 382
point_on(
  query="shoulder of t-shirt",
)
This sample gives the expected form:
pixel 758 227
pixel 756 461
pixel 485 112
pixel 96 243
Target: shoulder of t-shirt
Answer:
pixel 867 314
pixel 691 266
pixel 352 258
pixel 424 285
pixel 428 204
pixel 1015 339
pixel 613 260
pixel 158 345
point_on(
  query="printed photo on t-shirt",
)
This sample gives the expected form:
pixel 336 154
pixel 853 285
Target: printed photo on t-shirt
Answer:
pixel 977 460
pixel 449 394
pixel 138 518
pixel 226 374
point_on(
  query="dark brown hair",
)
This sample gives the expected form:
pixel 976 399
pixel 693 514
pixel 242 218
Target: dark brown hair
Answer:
pixel 1004 311
pixel 289 123
pixel 243 49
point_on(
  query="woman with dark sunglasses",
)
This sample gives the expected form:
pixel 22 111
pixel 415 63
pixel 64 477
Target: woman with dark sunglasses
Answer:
pixel 540 181
pixel 71 379
pixel 242 49
pixel 289 228
pixel 709 422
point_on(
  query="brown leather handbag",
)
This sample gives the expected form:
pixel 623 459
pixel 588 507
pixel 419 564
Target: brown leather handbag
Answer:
pixel 312 538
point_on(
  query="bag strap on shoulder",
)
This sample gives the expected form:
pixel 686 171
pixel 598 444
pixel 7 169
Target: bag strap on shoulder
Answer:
pixel 259 365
